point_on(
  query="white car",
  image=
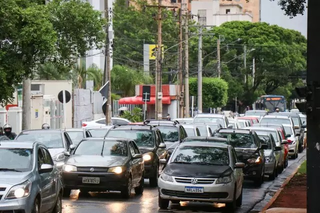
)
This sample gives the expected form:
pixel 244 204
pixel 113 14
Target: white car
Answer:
pixel 211 118
pixel 188 176
pixel 102 122
pixel 293 141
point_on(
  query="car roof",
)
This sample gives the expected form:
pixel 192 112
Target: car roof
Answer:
pixel 133 127
pixel 276 116
pixel 260 128
pixel 107 139
pixel 75 130
pixel 238 131
pixel 210 115
pixel 205 144
pixel 292 114
pixel 268 125
pixel 98 127
pixel 257 110
pixel 203 138
pixel 188 126
pixel 21 145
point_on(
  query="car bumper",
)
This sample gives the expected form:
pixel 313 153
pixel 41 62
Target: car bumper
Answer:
pixel 212 192
pixel 269 168
pixel 23 205
pixel 252 171
pixel 108 181
pixel 292 149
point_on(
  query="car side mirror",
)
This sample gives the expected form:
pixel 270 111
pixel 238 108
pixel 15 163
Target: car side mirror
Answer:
pixel 230 126
pixel 239 165
pixel 277 148
pixel 45 168
pixel 162 145
pixel 137 156
pixel 163 161
pixel 288 136
pixel 264 146
pixel 67 154
pixel 284 142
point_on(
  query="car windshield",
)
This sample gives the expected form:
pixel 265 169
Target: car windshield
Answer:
pixel 76 136
pixel 143 138
pixel 254 113
pixel 52 140
pixel 266 140
pixel 190 131
pixel 169 133
pixel 209 120
pixel 296 121
pixel 304 120
pixel 288 130
pixel 275 121
pixel 239 140
pixel 19 160
pixel 201 155
pixel 110 148
pixel 203 130
pixel 273 133
pixel 241 124
pixel 214 126
pixel 98 133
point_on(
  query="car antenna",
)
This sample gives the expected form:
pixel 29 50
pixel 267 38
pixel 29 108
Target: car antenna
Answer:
pixel 104 141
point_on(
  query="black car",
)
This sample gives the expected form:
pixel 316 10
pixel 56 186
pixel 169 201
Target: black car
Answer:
pixel 98 164
pixel 249 150
pixel 150 142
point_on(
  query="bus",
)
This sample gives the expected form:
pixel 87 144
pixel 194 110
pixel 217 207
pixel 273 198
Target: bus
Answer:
pixel 271 102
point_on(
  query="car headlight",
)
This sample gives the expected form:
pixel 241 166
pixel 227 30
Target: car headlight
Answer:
pixel 224 180
pixel 257 160
pixel 19 191
pixel 117 170
pixel 69 168
pixel 59 157
pixel 166 177
pixel 147 157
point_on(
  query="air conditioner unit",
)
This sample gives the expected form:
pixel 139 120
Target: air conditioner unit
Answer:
pixel 37 89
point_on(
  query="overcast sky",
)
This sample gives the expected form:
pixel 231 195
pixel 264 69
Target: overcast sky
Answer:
pixel 271 13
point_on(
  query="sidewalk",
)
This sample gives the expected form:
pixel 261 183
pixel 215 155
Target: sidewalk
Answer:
pixel 285 210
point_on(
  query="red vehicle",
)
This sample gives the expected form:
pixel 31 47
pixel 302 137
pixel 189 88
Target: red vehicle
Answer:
pixel 252 120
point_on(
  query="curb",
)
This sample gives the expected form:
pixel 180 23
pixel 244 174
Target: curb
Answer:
pixel 276 195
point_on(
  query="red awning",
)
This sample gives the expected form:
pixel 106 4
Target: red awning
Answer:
pixel 138 100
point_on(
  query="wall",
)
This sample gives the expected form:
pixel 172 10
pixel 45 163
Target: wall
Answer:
pixel 211 7
pixel 252 6
pixel 220 19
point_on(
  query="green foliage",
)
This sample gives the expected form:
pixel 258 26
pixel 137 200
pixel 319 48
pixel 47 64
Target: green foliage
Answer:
pixel 136 115
pixel 124 79
pixel 303 168
pixel 95 74
pixel 214 91
pixel 49 71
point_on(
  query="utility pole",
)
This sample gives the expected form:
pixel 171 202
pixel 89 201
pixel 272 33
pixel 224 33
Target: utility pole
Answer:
pixel 200 70
pixel 181 96
pixel 26 104
pixel 253 70
pixel 218 56
pixel 186 52
pixel 245 63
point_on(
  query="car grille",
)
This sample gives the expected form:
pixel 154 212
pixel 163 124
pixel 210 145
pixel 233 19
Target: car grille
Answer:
pixel 205 195
pixel 198 180
pixel 89 169
pixel 2 191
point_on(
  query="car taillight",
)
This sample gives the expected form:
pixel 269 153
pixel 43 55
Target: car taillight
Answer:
pixel 84 124
pixel 289 141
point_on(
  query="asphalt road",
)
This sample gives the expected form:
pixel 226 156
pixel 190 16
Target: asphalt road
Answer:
pixel 254 198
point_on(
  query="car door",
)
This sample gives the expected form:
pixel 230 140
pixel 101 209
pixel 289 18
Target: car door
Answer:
pixel 140 166
pixel 134 163
pixel 161 152
pixel 238 172
pixel 46 183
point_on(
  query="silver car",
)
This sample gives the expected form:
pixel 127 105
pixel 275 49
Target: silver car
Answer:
pixel 29 180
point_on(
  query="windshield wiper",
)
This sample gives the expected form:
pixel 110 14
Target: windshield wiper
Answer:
pixel 213 164
pixel 10 170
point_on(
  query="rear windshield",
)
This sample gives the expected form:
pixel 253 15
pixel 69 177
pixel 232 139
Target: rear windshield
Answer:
pixel 143 138
pixel 190 131
pixel 19 160
pixel 275 121
pixel 239 140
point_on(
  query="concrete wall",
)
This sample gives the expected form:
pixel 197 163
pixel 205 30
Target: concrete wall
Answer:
pixel 252 7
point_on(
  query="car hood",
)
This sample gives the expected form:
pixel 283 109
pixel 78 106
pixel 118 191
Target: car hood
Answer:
pixel 13 178
pixel 98 161
pixel 197 171
pixel 245 153
pixel 55 151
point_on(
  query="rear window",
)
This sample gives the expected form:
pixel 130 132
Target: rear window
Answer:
pixel 190 131
pixel 239 140
pixel 273 133
pixel 275 121
pixel 143 138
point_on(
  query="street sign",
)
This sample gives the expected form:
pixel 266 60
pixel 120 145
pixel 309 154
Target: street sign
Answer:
pixel 146 91
pixel 104 90
pixel 153 51
pixel 67 98
pixel 104 106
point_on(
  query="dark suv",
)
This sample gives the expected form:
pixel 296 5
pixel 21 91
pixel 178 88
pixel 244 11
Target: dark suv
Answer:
pixel 250 151
pixel 150 143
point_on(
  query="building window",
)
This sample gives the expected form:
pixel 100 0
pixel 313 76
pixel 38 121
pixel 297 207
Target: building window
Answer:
pixel 202 17
pixel 227 11
pixel 35 87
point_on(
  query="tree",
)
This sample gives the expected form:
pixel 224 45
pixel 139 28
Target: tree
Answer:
pixel 124 79
pixel 214 91
pixel 292 8
pixel 135 116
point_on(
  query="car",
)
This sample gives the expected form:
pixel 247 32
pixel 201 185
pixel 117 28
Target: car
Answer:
pixel 256 113
pixel 4 138
pixel 278 141
pixel 184 120
pixel 304 122
pixel 191 130
pixel 293 141
pixel 97 132
pixel 29 180
pixel 272 155
pixel 149 141
pixel 252 120
pixel 276 119
pixel 77 134
pixel 211 118
pixel 243 123
pixel 56 140
pixel 102 122
pixel 214 126
pixel 204 129
pixel 188 176
pixel 249 150
pixel 100 164
pixel 234 124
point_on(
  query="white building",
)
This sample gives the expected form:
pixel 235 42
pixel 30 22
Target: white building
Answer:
pixel 211 12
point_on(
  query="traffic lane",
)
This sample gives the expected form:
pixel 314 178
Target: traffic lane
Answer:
pixel 148 202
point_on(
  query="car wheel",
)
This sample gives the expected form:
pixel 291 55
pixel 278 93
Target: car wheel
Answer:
pixel 66 192
pixel 258 181
pixel 239 199
pixel 139 190
pixel 36 206
pixel 300 148
pixel 286 163
pixel 163 203
pixel 273 175
pixel 154 180
pixel 231 207
pixel 126 192
pixel 58 206
pixel 295 155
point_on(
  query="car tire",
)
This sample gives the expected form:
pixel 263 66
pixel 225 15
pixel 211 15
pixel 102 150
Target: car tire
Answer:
pixel 286 163
pixel 36 206
pixel 154 180
pixel 163 203
pixel 139 190
pixel 66 192
pixel 295 155
pixel 258 181
pixel 300 148
pixel 239 199
pixel 58 205
pixel 273 175
pixel 232 206
pixel 126 192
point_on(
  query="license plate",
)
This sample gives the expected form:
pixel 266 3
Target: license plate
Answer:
pixel 91 180
pixel 192 189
